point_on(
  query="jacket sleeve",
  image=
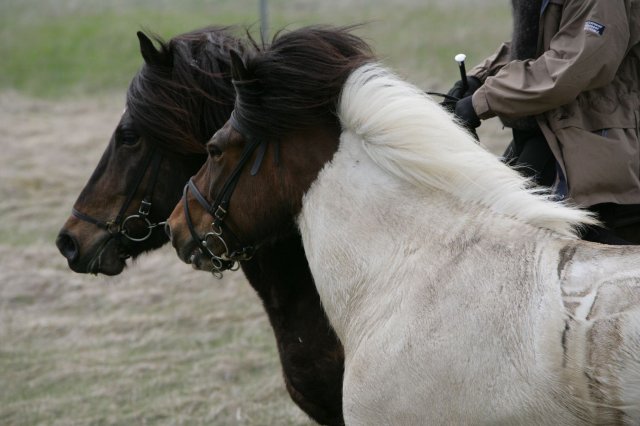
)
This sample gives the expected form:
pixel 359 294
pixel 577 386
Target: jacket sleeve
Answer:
pixel 577 60
pixel 492 64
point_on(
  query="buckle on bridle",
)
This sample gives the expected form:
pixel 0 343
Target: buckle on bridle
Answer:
pixel 145 207
pixel 220 214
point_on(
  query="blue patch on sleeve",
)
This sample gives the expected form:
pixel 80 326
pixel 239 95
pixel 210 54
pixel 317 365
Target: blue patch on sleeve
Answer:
pixel 594 27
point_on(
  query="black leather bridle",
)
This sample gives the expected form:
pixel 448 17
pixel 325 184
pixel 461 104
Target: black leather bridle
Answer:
pixel 120 225
pixel 219 208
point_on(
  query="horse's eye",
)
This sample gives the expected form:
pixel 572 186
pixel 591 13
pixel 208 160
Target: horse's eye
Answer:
pixel 128 137
pixel 213 150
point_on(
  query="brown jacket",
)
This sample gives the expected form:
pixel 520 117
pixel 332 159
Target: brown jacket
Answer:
pixel 584 89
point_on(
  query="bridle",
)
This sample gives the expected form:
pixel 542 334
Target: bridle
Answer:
pixel 219 208
pixel 121 225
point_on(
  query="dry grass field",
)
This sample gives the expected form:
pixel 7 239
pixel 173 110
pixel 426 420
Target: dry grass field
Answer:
pixel 160 344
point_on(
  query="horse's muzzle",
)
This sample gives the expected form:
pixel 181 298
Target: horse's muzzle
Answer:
pixel 68 246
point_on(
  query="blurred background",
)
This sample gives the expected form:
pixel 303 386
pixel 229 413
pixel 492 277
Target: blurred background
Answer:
pixel 159 344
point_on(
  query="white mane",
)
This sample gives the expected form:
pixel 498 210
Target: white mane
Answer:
pixel 413 138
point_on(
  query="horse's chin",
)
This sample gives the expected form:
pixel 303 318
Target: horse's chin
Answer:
pixel 193 255
pixel 108 259
pixel 200 261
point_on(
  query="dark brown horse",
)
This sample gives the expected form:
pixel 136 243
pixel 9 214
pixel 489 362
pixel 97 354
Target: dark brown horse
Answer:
pixel 180 97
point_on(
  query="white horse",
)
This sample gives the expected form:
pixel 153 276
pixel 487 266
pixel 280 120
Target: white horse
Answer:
pixel 461 294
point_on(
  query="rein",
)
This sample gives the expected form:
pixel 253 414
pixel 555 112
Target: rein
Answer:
pixel 219 208
pixel 444 96
pixel 121 224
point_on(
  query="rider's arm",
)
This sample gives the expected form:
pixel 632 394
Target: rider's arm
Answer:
pixel 492 64
pixel 578 59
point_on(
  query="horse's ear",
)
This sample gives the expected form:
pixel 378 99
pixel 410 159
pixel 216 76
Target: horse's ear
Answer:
pixel 149 52
pixel 238 69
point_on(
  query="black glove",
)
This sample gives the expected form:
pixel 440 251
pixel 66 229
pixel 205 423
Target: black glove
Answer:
pixel 457 92
pixel 467 116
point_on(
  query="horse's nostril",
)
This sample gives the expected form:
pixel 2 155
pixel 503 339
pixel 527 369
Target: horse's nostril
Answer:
pixel 167 229
pixel 68 246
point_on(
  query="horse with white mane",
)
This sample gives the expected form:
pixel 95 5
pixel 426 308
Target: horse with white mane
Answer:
pixel 461 294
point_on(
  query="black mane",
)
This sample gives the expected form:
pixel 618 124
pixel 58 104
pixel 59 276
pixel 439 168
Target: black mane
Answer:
pixel 295 82
pixel 185 94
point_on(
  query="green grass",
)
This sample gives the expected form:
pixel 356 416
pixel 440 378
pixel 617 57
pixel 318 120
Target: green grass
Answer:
pixel 82 54
pixel 63 49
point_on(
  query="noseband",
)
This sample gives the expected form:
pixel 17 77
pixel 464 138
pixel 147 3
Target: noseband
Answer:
pixel 219 208
pixel 121 225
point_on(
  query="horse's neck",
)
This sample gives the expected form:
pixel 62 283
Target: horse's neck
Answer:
pixel 367 235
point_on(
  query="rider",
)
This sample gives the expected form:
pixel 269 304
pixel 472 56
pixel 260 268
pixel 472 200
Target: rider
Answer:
pixel 568 86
